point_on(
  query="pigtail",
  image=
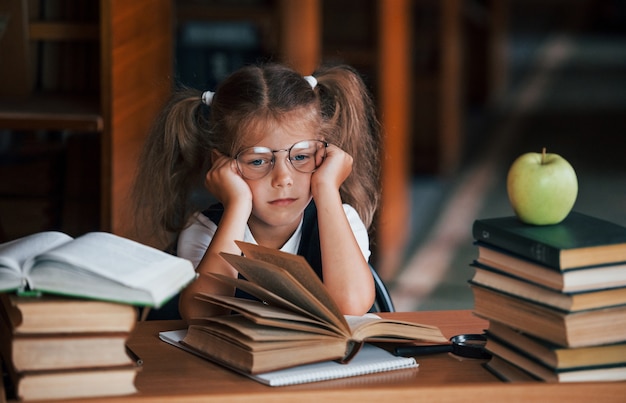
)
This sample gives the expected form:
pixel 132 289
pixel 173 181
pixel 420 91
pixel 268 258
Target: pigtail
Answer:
pixel 169 168
pixel 350 115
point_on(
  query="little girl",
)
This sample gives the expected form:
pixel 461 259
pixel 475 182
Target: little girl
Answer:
pixel 294 164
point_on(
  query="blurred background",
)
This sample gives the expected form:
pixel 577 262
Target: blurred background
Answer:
pixel 462 87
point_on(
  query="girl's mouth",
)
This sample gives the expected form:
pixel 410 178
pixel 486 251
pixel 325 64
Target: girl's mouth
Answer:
pixel 282 202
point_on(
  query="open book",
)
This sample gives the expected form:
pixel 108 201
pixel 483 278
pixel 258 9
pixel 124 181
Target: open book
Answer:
pixel 296 323
pixel 370 360
pixel 97 265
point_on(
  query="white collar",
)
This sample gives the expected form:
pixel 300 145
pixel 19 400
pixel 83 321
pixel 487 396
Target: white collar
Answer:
pixel 292 244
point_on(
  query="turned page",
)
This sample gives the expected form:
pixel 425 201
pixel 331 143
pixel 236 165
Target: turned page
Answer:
pixel 297 266
pixel 280 282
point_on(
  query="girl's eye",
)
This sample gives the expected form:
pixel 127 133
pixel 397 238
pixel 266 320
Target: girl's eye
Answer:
pixel 258 161
pixel 300 157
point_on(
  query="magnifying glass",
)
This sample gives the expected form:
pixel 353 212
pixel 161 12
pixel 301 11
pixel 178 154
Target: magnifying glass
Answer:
pixel 463 345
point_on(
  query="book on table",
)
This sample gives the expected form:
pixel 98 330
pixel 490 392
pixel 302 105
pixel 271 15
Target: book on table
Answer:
pixel 369 360
pixel 296 323
pixel 521 360
pixel 564 301
pixel 507 372
pixel 579 279
pixel 96 265
pixel 69 384
pixel 575 329
pixel 579 240
pixel 558 357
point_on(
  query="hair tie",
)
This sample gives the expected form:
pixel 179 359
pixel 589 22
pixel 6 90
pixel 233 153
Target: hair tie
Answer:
pixel 311 80
pixel 207 97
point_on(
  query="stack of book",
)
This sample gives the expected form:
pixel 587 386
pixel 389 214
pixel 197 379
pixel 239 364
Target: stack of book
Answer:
pixel 554 296
pixel 53 346
pixel 59 348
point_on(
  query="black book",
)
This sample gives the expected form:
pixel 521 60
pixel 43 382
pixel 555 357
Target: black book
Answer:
pixel 578 241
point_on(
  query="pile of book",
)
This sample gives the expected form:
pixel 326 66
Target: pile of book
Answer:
pixel 57 347
pixel 60 348
pixel 554 297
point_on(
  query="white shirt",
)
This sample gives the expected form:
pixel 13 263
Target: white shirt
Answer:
pixel 196 237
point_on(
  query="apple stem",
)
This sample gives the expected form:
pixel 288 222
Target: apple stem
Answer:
pixel 543 156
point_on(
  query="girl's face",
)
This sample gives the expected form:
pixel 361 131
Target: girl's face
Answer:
pixel 280 197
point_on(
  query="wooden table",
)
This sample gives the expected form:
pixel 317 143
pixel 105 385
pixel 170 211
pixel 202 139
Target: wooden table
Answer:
pixel 170 374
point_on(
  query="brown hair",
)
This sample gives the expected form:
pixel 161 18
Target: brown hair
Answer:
pixel 177 151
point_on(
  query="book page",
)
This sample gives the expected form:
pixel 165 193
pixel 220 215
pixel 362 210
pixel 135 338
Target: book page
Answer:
pixel 261 333
pixel 298 267
pixel 281 282
pixel 262 294
pixel 373 328
pixel 268 315
pixel 14 254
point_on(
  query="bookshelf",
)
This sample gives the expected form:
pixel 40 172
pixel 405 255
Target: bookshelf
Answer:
pixel 98 67
pixel 410 52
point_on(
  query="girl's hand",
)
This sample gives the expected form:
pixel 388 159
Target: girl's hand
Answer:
pixel 224 182
pixel 334 170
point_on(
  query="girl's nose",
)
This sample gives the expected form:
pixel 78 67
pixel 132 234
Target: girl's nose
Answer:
pixel 282 173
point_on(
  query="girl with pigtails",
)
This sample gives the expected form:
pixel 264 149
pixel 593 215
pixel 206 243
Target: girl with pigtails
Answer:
pixel 293 162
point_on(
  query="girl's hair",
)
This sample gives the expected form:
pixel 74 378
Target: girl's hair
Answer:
pixel 177 152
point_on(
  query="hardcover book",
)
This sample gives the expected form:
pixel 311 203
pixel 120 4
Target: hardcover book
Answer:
pixel 578 241
pixel 558 357
pixel 587 278
pixel 97 265
pixel 296 323
pixel 566 302
pixel 526 363
pixel 52 314
pixel 71 384
pixel 578 329
pixel 507 372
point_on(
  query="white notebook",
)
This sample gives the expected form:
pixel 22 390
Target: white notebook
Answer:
pixel 369 360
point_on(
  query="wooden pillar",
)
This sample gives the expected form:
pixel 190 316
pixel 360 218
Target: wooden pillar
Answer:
pixel 395 106
pixel 450 136
pixel 136 70
pixel 300 37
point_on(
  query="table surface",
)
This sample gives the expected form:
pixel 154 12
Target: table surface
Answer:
pixel 171 374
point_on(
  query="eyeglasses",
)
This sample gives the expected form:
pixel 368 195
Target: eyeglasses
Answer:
pixel 305 156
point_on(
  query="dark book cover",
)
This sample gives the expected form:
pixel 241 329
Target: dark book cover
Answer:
pixel 579 240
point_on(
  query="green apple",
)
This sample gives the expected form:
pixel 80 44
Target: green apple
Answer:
pixel 542 188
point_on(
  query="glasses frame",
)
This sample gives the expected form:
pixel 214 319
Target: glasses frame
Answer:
pixel 273 160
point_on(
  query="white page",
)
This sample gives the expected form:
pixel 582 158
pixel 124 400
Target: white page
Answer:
pixel 14 253
pixel 122 260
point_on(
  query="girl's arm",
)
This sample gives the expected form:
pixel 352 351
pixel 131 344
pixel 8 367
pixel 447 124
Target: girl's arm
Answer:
pixel 347 274
pixel 224 182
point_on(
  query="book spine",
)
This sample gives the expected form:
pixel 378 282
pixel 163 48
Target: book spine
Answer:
pixel 524 247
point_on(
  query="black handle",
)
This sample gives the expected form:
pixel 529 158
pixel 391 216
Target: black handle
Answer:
pixel 409 351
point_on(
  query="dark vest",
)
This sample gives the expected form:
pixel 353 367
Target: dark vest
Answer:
pixel 309 244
